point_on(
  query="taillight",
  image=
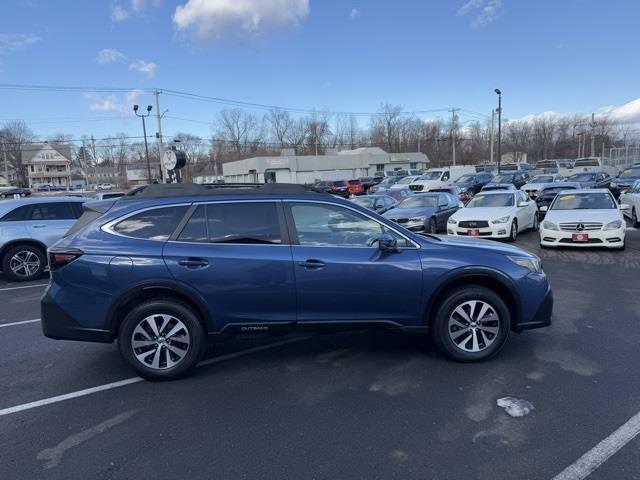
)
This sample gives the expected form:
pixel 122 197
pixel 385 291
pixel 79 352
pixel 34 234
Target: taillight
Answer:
pixel 60 258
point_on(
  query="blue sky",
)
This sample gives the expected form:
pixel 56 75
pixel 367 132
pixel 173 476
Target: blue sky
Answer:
pixel 343 55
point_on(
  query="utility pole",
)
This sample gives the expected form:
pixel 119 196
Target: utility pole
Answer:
pixel 6 164
pixel 593 135
pixel 93 151
pixel 493 122
pixel 499 93
pixel 84 167
pixel 163 169
pixel 144 132
pixel 453 134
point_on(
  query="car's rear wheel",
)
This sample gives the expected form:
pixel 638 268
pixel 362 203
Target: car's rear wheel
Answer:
pixel 23 263
pixel 471 324
pixel 634 218
pixel 161 339
pixel 513 234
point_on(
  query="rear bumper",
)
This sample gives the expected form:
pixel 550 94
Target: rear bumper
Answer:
pixel 57 324
pixel 542 317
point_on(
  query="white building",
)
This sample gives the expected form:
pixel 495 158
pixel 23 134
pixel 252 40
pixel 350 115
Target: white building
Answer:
pixel 47 164
pixel 361 162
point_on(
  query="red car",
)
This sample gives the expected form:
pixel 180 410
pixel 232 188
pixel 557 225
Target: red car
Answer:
pixel 355 187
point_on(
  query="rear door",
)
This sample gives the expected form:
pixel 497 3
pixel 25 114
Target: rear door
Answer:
pixel 48 222
pixel 341 276
pixel 237 256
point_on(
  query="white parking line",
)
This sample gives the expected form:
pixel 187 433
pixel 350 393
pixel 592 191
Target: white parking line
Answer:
pixel 23 286
pixel 129 381
pixel 18 323
pixel 599 454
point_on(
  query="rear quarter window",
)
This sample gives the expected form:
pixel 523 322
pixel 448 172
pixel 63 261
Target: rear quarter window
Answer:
pixel 16 215
pixel 154 224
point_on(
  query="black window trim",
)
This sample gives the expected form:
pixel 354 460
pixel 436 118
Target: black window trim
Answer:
pixel 284 233
pixel 294 235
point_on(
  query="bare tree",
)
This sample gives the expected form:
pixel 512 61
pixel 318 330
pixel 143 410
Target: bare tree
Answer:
pixel 15 135
pixel 280 122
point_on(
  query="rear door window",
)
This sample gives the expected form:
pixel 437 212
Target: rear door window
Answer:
pixel 52 211
pixel 155 224
pixel 244 223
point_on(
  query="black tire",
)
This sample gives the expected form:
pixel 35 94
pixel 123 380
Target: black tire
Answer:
pixel 440 324
pixel 634 218
pixel 180 312
pixel 24 250
pixel 433 226
pixel 513 231
pixel 536 223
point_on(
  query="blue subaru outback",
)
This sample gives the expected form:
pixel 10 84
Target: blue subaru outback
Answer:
pixel 174 266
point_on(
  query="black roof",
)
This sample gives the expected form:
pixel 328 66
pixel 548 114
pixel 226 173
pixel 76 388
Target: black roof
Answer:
pixel 193 189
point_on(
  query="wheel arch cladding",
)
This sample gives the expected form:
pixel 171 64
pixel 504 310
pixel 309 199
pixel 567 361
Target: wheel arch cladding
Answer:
pixel 23 241
pixel 142 293
pixel 490 279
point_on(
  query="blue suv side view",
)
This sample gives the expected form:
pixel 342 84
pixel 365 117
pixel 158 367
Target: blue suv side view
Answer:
pixel 176 265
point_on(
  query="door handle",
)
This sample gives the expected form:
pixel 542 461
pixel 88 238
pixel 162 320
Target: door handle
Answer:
pixel 312 264
pixel 193 262
pixel 38 226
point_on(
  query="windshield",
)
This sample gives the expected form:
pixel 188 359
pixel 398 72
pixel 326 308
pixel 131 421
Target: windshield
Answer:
pixel 493 200
pixel 587 162
pixel 366 202
pixel 555 190
pixel 583 177
pixel 406 180
pixel 340 183
pixel 546 164
pixel 542 179
pixel 508 178
pixel 435 175
pixel 565 163
pixel 466 178
pixel 388 181
pixel 584 201
pixel 631 172
pixel 419 202
pixel 511 166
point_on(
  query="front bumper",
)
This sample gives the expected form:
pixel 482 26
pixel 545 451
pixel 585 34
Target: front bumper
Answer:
pixel 542 317
pixel 597 238
pixel 498 230
pixel 59 325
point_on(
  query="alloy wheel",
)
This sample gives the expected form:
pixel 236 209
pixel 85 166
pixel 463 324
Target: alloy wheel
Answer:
pixel 24 263
pixel 473 326
pixel 160 341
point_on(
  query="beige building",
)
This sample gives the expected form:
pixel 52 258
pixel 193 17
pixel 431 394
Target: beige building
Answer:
pixel 47 164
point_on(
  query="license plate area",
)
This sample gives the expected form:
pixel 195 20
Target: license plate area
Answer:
pixel 580 237
pixel 473 232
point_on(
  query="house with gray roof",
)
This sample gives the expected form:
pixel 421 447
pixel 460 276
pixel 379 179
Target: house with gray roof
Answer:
pixel 47 164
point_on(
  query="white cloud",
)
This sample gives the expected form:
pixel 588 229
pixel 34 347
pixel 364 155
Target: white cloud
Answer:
pixel 148 68
pixel 109 55
pixel 137 5
pixel 354 13
pixel 627 113
pixel 10 42
pixel 214 19
pixel 485 11
pixel 470 6
pixel 112 103
pixel 119 14
pixel 488 14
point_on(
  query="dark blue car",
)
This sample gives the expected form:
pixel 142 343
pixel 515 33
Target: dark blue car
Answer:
pixel 167 270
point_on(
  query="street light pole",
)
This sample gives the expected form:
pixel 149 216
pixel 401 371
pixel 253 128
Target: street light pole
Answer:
pixel 497 90
pixel 144 132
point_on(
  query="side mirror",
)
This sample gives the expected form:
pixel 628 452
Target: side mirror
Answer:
pixel 624 206
pixel 379 207
pixel 544 208
pixel 387 243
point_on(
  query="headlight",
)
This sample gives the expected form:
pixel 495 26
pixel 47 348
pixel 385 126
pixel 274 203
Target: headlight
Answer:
pixel 452 221
pixel 417 219
pixel 531 264
pixel 615 225
pixel 501 219
pixel 547 225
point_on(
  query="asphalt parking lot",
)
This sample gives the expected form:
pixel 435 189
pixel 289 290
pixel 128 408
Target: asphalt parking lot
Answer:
pixel 373 405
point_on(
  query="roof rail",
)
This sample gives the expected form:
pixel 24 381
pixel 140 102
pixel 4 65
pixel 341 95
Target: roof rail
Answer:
pixel 194 189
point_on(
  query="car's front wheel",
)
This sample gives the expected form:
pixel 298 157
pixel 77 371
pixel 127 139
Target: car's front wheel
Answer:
pixel 634 218
pixel 433 226
pixel 161 339
pixel 513 233
pixel 23 263
pixel 471 324
pixel 536 223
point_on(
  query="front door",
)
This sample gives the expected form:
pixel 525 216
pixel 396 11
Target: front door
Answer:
pixel 342 276
pixel 48 222
pixel 236 256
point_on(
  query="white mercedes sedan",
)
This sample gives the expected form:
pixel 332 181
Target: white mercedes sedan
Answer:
pixel 584 218
pixel 632 198
pixel 495 214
